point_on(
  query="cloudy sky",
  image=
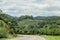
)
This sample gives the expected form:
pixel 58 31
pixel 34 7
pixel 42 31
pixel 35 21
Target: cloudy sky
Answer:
pixel 31 7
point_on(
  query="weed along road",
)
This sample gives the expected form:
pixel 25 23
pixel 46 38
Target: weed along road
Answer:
pixel 29 37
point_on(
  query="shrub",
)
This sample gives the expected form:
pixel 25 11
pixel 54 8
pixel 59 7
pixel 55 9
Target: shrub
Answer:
pixel 3 33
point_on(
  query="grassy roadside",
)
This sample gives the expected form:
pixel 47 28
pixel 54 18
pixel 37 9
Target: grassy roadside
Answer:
pixel 52 37
pixel 10 37
pixel 4 39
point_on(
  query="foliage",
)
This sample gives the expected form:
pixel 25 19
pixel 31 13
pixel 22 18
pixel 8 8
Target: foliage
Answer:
pixel 3 29
pixel 44 27
pixel 3 33
pixel 29 25
pixel 52 37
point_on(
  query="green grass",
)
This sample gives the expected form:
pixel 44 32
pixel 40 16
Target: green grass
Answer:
pixel 52 37
pixel 4 39
pixel 10 37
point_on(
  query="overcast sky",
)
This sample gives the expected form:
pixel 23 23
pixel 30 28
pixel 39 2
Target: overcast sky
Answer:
pixel 31 7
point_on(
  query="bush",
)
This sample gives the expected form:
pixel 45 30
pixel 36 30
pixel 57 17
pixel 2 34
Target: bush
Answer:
pixel 3 33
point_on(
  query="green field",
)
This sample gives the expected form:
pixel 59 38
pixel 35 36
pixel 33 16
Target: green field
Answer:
pixel 52 37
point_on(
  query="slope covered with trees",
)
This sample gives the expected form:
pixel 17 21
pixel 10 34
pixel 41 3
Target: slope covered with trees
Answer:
pixel 46 27
pixel 7 25
pixel 28 25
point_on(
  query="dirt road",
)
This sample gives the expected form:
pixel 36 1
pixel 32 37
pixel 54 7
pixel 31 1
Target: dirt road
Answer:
pixel 29 37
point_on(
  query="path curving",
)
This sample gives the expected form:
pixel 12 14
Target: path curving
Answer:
pixel 29 37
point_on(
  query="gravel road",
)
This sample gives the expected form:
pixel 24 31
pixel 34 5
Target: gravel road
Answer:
pixel 29 37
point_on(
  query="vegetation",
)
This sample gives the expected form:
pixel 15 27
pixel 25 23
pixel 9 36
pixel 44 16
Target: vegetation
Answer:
pixel 52 37
pixel 10 25
pixel 46 26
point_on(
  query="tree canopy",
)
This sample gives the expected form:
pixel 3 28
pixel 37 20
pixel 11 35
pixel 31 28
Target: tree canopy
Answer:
pixel 29 25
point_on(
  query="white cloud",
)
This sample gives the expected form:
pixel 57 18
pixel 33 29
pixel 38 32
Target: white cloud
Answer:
pixel 31 7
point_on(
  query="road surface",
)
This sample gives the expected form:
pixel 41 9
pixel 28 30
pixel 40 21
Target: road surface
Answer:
pixel 29 37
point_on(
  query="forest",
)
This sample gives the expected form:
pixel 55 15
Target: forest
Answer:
pixel 29 25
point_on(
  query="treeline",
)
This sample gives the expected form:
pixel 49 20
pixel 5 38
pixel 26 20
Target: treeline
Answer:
pixel 41 27
pixel 28 25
